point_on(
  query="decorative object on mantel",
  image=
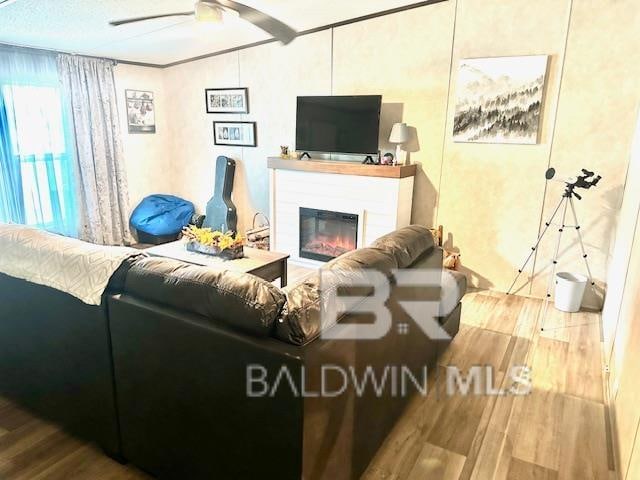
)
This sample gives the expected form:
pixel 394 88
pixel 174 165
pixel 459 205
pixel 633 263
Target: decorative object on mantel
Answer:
pixel 259 235
pixel 499 100
pixel 227 100
pixel 141 114
pixel 209 242
pixel 388 159
pixel 284 151
pixel 399 135
pixel 236 134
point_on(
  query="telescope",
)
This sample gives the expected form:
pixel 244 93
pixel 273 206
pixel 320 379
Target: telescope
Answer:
pixel 587 180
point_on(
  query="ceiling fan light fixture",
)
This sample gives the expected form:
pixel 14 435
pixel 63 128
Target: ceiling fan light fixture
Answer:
pixel 205 12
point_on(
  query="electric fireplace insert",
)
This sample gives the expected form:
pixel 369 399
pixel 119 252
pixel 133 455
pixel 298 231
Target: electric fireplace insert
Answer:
pixel 325 235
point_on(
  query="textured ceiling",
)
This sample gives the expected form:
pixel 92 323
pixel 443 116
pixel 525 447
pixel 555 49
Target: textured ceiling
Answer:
pixel 81 26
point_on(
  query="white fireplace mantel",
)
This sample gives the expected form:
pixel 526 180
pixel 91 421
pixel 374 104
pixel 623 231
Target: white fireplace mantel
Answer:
pixel 381 196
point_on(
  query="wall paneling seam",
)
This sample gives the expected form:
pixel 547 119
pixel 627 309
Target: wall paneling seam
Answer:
pixel 551 142
pixel 332 58
pixel 446 117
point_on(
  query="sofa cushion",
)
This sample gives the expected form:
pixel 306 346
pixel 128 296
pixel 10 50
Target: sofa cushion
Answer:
pixel 301 321
pixel 406 244
pixel 240 300
pixel 372 258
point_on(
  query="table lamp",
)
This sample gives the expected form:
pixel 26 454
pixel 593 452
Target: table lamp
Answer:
pixel 399 136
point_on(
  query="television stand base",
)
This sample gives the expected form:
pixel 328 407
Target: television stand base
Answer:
pixel 305 154
pixel 368 161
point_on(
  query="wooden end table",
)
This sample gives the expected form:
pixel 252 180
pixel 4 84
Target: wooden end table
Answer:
pixel 261 263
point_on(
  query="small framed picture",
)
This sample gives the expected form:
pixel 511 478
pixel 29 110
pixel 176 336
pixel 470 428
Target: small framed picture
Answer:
pixel 141 114
pixel 237 134
pixel 227 100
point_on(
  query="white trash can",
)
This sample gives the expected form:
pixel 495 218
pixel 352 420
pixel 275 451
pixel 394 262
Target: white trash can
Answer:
pixel 569 291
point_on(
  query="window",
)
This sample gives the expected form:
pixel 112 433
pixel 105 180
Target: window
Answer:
pixel 39 156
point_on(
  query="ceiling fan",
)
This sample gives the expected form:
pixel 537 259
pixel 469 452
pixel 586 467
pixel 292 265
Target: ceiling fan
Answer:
pixel 212 10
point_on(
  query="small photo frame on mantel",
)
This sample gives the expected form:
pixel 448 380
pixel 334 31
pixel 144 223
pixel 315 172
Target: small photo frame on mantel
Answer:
pixel 227 100
pixel 235 134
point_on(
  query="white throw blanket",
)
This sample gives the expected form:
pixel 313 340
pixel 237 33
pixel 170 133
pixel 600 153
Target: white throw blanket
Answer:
pixel 78 268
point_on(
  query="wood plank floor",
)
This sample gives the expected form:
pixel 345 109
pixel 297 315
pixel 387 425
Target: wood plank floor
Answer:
pixel 558 432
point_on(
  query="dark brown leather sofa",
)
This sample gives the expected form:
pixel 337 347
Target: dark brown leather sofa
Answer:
pixel 55 358
pixel 183 337
pixel 157 374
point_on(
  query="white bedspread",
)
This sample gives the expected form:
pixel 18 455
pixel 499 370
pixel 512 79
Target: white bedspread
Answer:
pixel 78 268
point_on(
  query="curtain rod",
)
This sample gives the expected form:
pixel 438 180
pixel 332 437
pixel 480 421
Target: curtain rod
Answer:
pixel 45 51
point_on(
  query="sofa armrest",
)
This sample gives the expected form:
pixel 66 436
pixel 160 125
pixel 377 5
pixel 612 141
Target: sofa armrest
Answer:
pixel 182 396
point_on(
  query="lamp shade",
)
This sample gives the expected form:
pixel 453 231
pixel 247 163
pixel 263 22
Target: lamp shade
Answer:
pixel 399 133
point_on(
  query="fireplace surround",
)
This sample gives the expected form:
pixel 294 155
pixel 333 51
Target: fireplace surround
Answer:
pixel 325 234
pixel 380 197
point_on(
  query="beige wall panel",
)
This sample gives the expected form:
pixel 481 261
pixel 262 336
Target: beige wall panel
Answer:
pixel 627 359
pixel 597 110
pixel 406 58
pixel 634 464
pixel 193 154
pixel 276 76
pixel 146 155
pixel 491 194
pixel 619 265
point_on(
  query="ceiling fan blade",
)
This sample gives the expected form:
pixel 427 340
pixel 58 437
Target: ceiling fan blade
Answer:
pixel 276 28
pixel 151 17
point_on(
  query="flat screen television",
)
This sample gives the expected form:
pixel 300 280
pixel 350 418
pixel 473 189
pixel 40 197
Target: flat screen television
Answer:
pixel 338 124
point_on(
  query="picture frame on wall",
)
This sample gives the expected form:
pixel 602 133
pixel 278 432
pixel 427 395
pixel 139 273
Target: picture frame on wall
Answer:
pixel 500 99
pixel 141 112
pixel 227 100
pixel 235 134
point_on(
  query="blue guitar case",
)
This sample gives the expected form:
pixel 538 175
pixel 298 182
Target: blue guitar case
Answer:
pixel 221 212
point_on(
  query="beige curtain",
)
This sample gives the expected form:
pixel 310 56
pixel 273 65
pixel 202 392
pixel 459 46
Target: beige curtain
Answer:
pixel 104 198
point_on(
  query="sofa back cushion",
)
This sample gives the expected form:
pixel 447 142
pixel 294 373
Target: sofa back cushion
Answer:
pixel 407 244
pixel 372 258
pixel 241 301
pixel 301 320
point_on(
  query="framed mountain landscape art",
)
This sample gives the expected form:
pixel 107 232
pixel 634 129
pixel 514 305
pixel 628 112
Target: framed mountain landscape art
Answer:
pixel 499 99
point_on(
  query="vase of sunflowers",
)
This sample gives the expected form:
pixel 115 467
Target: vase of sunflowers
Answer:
pixel 209 242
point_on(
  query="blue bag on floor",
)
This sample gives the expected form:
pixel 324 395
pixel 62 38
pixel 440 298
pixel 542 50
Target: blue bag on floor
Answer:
pixel 162 215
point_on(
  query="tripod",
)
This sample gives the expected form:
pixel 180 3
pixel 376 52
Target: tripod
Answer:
pixel 565 202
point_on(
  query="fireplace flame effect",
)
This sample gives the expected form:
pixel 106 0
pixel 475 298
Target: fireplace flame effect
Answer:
pixel 330 246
